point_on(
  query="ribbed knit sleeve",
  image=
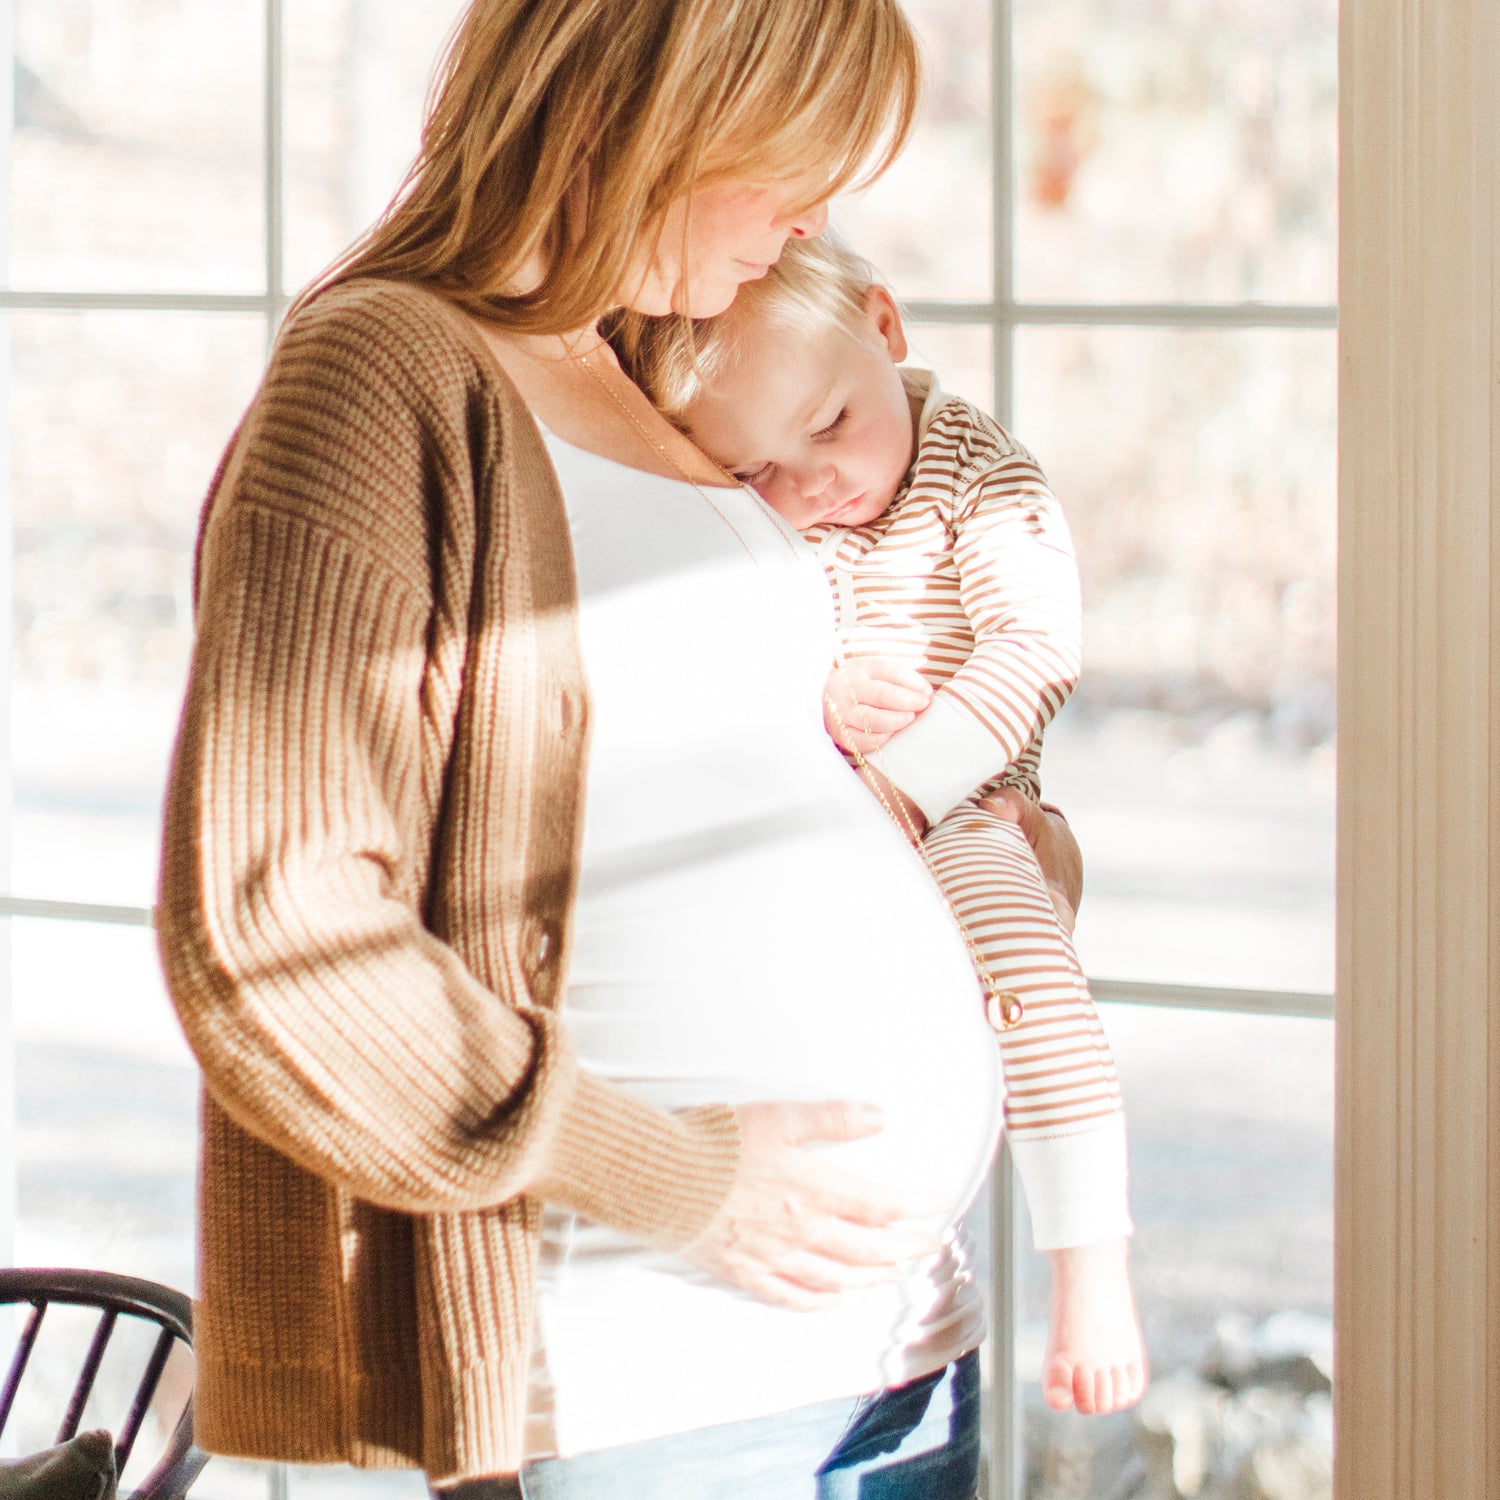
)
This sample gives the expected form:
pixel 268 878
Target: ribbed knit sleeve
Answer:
pixel 307 792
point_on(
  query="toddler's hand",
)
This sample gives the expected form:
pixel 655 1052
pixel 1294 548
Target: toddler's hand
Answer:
pixel 867 701
pixel 1095 1359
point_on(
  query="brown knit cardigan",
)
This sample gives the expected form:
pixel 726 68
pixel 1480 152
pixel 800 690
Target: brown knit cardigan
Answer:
pixel 371 848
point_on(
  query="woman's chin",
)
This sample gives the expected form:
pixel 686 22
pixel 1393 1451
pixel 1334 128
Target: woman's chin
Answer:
pixel 706 300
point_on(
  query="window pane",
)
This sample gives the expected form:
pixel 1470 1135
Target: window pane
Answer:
pixel 1231 1147
pixel 106 1104
pixel 117 421
pixel 357 73
pixel 106 1117
pixel 927 223
pixel 961 357
pixel 1176 151
pixel 1196 760
pixel 138 148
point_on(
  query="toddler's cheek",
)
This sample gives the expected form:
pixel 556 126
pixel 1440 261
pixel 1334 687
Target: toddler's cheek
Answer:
pixel 788 507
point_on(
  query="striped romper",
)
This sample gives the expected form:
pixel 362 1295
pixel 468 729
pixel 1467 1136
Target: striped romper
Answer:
pixel 969 576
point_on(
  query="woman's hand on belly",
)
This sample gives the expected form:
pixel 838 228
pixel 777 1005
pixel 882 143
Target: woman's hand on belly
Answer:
pixel 798 1232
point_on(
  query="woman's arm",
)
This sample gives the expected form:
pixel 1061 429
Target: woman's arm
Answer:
pixel 329 1021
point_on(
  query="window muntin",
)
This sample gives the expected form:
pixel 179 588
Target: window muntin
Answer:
pixel 344 91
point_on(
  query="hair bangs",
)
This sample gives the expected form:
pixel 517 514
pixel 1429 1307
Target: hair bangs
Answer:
pixel 830 100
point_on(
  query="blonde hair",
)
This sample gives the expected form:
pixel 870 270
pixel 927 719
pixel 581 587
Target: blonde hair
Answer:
pixel 817 283
pixel 559 131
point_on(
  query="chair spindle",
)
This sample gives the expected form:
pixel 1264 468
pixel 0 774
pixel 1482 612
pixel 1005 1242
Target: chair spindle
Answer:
pixel 86 1376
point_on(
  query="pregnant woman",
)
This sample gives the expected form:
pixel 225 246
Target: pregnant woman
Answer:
pixel 593 1076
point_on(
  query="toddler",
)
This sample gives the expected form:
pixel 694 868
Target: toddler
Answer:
pixel 957 603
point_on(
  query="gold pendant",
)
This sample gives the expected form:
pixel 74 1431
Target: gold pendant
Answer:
pixel 1003 1009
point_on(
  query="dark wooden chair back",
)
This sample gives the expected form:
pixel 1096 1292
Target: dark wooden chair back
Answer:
pixel 180 1462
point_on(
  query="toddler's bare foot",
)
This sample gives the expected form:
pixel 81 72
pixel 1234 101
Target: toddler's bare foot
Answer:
pixel 1095 1360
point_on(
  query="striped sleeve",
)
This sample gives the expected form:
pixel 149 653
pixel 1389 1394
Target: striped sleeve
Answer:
pixel 1018 586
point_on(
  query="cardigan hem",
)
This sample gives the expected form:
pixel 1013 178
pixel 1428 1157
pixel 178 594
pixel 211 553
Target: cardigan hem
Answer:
pixel 301 1414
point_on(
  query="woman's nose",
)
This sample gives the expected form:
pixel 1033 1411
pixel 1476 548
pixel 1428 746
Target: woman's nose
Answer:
pixel 809 224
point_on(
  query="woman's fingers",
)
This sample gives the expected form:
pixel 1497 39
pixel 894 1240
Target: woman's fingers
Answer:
pixel 851 1201
pixel 794 1122
pixel 795 1226
pixel 831 1278
pixel 1009 804
pixel 851 1242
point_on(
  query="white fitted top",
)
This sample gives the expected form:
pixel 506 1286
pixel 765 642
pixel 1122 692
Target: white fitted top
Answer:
pixel 749 925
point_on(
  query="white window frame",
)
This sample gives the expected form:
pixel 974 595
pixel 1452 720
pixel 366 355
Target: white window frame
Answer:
pixel 1002 314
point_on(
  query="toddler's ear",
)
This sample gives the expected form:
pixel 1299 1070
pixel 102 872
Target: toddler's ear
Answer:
pixel 885 319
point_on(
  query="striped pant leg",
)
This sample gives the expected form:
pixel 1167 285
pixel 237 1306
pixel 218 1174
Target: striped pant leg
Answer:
pixel 1060 1076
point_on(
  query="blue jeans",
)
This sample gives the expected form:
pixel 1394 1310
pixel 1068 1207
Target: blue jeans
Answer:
pixel 913 1442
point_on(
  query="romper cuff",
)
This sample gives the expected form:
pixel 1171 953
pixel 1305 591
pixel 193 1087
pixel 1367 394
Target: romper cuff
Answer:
pixel 942 758
pixel 1076 1185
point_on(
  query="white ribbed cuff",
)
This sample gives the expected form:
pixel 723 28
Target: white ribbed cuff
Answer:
pixel 941 758
pixel 1076 1185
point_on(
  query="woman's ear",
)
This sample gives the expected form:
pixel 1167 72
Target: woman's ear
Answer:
pixel 885 320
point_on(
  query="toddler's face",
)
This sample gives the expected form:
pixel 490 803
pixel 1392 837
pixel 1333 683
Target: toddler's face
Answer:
pixel 817 422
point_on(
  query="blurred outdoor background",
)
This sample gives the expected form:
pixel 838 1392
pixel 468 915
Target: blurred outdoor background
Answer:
pixel 1176 157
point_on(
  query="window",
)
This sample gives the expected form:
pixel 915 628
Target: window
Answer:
pixel 1115 228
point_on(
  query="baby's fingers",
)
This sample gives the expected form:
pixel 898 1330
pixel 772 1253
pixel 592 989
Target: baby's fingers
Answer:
pixel 873 693
pixel 879 723
pixel 894 674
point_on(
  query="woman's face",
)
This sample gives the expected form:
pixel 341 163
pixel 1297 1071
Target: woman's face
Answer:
pixel 735 233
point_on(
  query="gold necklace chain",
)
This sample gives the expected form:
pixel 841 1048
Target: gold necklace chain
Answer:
pixel 1002 1008
pixel 646 437
pixel 666 454
pixel 731 483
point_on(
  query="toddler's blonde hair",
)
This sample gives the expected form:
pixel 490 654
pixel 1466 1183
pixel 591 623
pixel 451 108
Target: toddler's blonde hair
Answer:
pixel 559 131
pixel 817 283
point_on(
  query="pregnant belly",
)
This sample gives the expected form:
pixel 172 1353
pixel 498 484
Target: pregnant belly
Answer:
pixel 809 961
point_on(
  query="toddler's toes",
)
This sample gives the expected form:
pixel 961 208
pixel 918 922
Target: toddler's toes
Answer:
pixel 1057 1384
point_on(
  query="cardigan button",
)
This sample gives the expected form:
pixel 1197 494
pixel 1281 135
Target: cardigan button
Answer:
pixel 541 945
